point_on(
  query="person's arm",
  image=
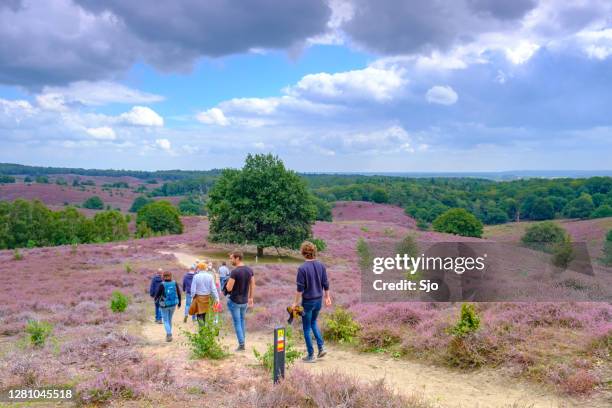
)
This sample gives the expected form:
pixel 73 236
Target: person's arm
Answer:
pixel 301 284
pixel 184 282
pixel 251 302
pixel 325 283
pixel 193 286
pixel 230 283
pixel 152 288
pixel 178 293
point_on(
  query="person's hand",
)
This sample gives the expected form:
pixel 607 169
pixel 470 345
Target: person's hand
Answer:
pixel 293 306
pixel 328 301
pixel 250 302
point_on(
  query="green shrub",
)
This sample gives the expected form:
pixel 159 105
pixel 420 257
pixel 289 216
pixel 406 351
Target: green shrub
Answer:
pixel 458 221
pixel 161 216
pixel 143 230
pixel 607 250
pixel 602 211
pixel 128 268
pixel 119 302
pixel 139 202
pixel 204 343
pixel 422 225
pixel 364 253
pixel 468 322
pixel 543 236
pixel 320 244
pixel 93 203
pixel 340 326
pixel 17 256
pixel 291 354
pixel 38 332
pixel 563 253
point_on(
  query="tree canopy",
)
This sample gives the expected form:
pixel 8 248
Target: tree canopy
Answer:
pixel 263 204
pixel 458 221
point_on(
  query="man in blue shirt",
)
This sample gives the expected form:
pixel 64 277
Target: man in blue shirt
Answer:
pixel 202 289
pixel 313 288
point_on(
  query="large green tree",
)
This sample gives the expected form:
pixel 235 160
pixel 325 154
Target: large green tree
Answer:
pixel 263 204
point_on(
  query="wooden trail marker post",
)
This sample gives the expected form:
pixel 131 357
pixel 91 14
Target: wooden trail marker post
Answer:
pixel 279 353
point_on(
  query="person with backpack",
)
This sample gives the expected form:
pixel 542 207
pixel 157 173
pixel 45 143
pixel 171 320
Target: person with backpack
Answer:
pixel 187 280
pixel 224 273
pixel 312 288
pixel 202 288
pixel 169 297
pixel 156 280
pixel 241 289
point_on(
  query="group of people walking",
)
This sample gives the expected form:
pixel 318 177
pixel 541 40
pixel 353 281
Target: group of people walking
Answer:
pixel 203 286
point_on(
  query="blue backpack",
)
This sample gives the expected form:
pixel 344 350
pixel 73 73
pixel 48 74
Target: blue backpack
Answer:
pixel 170 298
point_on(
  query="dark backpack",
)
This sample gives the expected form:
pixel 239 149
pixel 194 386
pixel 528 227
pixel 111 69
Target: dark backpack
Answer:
pixel 169 297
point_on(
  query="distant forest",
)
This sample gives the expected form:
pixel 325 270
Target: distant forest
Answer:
pixel 424 198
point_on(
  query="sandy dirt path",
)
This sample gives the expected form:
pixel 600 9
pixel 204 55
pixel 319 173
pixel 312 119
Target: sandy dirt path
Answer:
pixel 447 388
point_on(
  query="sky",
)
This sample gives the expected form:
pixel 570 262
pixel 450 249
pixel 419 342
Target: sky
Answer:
pixel 328 86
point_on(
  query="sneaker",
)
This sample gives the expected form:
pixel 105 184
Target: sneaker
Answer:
pixel 309 359
pixel 322 353
pixel 158 321
pixel 168 337
pixel 185 319
pixel 240 348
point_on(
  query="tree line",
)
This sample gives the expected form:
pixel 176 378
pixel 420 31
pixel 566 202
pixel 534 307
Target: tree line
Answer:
pixel 29 224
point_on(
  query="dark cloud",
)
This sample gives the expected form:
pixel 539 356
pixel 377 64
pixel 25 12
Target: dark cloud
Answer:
pixel 60 42
pixel 502 9
pixel 406 27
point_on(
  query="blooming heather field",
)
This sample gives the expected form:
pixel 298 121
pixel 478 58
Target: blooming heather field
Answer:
pixel 564 346
pixel 55 196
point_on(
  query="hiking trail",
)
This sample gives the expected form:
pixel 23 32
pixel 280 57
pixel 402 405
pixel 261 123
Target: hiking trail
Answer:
pixel 484 388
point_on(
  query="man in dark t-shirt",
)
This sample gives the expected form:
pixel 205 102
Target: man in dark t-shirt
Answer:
pixel 241 288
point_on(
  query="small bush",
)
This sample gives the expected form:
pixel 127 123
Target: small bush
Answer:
pixel 364 253
pixel 320 244
pixel 607 250
pixel 204 343
pixel 128 268
pixel 468 322
pixel 39 332
pixel 563 253
pixel 94 203
pixel 340 326
pixel 378 338
pixel 291 354
pixel 17 256
pixel 543 236
pixel 119 302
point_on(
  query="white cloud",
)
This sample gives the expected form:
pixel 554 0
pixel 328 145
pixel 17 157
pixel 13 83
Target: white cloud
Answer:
pixel 444 95
pixel 92 94
pixel 521 52
pixel 213 116
pixel 102 133
pixel 141 116
pixel 368 83
pixel 163 144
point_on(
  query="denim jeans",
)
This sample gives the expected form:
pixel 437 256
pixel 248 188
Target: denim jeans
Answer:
pixel 158 315
pixel 309 323
pixel 238 312
pixel 167 313
pixel 187 304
